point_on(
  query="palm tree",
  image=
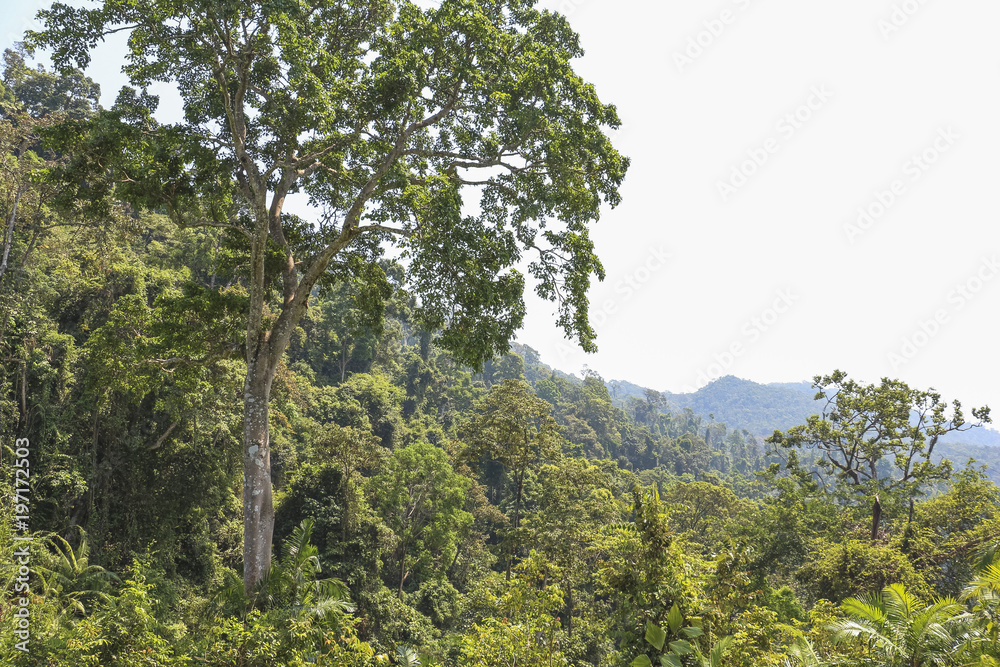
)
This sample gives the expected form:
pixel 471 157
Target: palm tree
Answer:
pixel 292 584
pixel 984 592
pixel 897 630
pixel 295 580
pixel 802 653
pixel 68 575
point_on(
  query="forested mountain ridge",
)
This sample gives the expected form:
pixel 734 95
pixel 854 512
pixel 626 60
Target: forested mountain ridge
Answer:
pixel 762 408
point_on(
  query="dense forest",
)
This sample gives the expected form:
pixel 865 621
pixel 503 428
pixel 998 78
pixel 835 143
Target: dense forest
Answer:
pixel 435 502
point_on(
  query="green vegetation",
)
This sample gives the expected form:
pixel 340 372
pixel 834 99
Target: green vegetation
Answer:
pixel 433 503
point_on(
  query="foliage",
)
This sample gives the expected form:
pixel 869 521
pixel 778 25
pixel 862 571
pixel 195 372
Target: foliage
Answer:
pixel 838 571
pixel 862 428
pixel 509 513
pixel 895 628
pixel 420 498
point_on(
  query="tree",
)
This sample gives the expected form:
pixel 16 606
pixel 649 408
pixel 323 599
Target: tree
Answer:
pixel 897 629
pixel 514 428
pixel 386 114
pixel 35 99
pixel 837 570
pixel 522 627
pixel 40 93
pixel 574 499
pixel 649 577
pixel 420 497
pixel 950 527
pixel 704 513
pixel 351 450
pixel 878 439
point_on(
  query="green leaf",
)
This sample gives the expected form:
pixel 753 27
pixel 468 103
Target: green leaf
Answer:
pixel 718 650
pixel 642 661
pixel 670 660
pixel 681 647
pixel 692 632
pixel 675 619
pixel 655 635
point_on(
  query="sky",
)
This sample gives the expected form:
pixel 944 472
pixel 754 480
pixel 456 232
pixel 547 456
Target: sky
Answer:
pixel 813 187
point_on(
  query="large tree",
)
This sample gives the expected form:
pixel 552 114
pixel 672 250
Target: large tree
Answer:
pixel 393 117
pixel 878 440
pixel 515 429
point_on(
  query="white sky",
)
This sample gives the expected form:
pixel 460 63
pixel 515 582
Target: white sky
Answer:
pixel 821 109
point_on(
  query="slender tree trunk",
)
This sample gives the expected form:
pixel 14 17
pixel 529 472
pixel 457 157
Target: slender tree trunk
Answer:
pixel 8 238
pixel 876 517
pixel 258 509
pixel 517 522
pixel 569 609
pixel 347 506
pixel 402 570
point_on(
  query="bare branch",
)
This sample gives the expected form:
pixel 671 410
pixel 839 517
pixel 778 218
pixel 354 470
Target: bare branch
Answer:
pixel 159 441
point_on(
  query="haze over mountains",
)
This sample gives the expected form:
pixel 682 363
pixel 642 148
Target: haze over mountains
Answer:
pixel 761 408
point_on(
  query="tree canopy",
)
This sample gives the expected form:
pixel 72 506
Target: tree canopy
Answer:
pixel 458 134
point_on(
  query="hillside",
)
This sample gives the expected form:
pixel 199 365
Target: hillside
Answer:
pixel 744 404
pixel 761 408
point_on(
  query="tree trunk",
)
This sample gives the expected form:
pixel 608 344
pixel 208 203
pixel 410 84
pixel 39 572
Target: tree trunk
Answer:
pixel 258 509
pixel 517 522
pixel 9 236
pixel 876 517
pixel 402 571
pixel 569 608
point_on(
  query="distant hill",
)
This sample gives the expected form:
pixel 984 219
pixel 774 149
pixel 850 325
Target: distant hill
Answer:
pixel 621 390
pixel 959 454
pixel 744 404
pixel 762 408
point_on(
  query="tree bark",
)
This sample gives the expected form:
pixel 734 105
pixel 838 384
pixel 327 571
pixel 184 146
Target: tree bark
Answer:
pixel 258 509
pixel 517 522
pixel 876 517
pixel 402 576
pixel 9 236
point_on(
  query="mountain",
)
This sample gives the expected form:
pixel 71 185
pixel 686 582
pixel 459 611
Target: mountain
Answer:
pixel 762 408
pixel 744 404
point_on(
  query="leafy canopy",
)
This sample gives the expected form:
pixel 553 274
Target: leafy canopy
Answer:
pixel 392 117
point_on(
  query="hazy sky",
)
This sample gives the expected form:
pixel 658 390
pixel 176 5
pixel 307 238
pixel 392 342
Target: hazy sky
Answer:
pixel 813 186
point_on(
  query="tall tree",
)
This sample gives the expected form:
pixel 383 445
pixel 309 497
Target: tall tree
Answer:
pixel 514 428
pixel 32 99
pixel 878 440
pixel 386 114
pixel 420 496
